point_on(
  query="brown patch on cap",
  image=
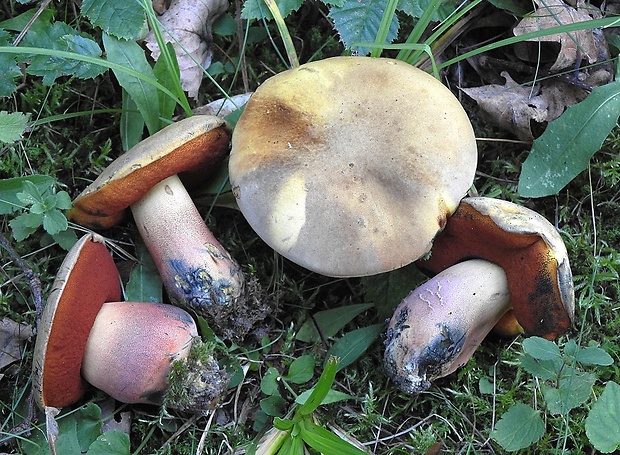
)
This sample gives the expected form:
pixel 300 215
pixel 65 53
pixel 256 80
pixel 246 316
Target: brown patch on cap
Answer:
pixel 86 280
pixel 194 147
pixel 526 246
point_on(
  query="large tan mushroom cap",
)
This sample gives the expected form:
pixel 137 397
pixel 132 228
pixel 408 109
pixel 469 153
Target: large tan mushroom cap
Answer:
pixel 350 166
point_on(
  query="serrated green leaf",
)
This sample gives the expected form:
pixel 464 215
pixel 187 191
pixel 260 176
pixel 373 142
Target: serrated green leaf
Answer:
pixel 541 349
pixel 603 421
pixel 66 239
pixel 592 355
pixel 416 8
pixel 144 283
pixel 18 23
pixel 10 188
pixel 120 18
pixel 329 322
pixel 25 225
pixel 130 55
pixel 63 201
pixel 519 427
pixel 12 125
pixel 301 370
pixel 257 9
pixel 353 344
pixel 572 391
pixel 60 36
pixel 387 290
pixel 54 221
pixel 567 145
pixel 543 369
pixel 113 442
pixel 358 22
pixel 324 441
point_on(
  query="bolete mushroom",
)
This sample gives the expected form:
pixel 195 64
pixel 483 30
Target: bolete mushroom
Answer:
pixel 350 166
pixel 496 262
pixel 196 270
pixel 126 349
pixel 437 328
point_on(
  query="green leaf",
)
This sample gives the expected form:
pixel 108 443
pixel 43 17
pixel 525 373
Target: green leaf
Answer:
pixel 132 122
pixel 60 36
pixel 274 405
pixel 89 424
pixel 144 284
pixel 387 290
pixel 603 421
pixel 572 391
pixel 301 370
pixel 329 322
pixel 322 387
pixel 54 221
pixel 324 441
pixel 333 396
pixel 353 344
pixel 130 55
pixel 541 349
pixel 269 384
pixel 120 18
pixel 169 78
pixel 518 428
pixel 113 442
pixel 25 225
pixel 593 355
pixel 12 125
pixel 565 148
pixel 10 188
pixel 66 239
pixel 544 369
pixel 10 72
pixel 257 9
pixel 358 22
pixel 63 201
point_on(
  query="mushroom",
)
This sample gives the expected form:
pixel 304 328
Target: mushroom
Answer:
pixel 497 264
pixel 350 166
pixel 126 349
pixel 527 247
pixel 437 328
pixel 196 270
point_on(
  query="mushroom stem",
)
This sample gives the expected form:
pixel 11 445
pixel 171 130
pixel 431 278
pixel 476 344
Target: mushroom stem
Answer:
pixel 437 328
pixel 195 269
pixel 133 348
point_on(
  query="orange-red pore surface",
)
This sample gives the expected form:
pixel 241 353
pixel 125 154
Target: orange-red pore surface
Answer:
pixel 92 281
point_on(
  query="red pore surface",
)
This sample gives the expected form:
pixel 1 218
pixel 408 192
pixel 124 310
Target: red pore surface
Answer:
pixel 529 264
pixel 92 281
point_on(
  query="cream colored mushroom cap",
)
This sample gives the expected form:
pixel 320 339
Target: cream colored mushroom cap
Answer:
pixel 350 166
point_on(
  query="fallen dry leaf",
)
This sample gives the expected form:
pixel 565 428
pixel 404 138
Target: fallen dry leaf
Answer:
pixel 187 25
pixel 575 46
pixel 511 106
pixel 13 336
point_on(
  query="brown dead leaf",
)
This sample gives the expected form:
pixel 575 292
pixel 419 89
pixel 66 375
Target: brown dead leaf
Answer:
pixel 574 46
pixel 187 25
pixel 13 336
pixel 511 106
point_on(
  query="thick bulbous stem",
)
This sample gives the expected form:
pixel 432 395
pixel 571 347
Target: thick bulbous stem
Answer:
pixel 437 328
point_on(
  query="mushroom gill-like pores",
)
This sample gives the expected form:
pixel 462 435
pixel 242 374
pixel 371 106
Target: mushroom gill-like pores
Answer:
pixel 196 270
pixel 437 328
pixel 526 246
pixel 126 349
pixel 349 166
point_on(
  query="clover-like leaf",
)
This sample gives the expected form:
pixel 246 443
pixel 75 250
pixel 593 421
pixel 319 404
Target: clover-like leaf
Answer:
pixel 518 428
